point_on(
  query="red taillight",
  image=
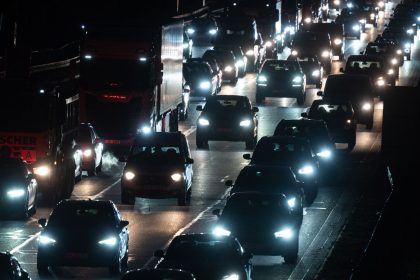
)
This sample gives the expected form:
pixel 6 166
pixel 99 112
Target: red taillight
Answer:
pixel 113 97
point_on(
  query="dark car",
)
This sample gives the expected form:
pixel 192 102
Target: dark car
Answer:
pixel 369 12
pixel 339 117
pixel 18 189
pixel 92 148
pixel 358 89
pixel 311 67
pixel 159 165
pixel 241 59
pixel 262 222
pixel 207 257
pixel 271 179
pixel 200 77
pixel 351 25
pixel 203 30
pixel 227 118
pixel 10 268
pixel 227 62
pixel 84 233
pixel 158 274
pixel 313 43
pixel 215 69
pixel 295 152
pixel 399 37
pixel 187 46
pixel 281 78
pixel 388 51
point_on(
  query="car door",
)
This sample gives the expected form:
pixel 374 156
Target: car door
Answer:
pixel 187 155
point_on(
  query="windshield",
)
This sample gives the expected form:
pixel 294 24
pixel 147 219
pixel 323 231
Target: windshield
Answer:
pixel 263 178
pixel 221 56
pixel 254 205
pixel 191 69
pixel 363 66
pixel 214 104
pixel 83 135
pixel 311 131
pixel 77 214
pixel 273 151
pixel 159 153
pixel 12 167
pixel 333 111
pixel 280 66
pixel 308 39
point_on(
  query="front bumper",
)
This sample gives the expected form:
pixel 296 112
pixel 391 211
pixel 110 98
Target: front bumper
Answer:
pixel 225 133
pixel 151 189
pixel 273 91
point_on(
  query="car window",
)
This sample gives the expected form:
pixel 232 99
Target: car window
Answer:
pixel 226 104
pixel 271 151
pixel 263 178
pixel 215 250
pixel 309 131
pixel 151 150
pixel 84 134
pixel 276 66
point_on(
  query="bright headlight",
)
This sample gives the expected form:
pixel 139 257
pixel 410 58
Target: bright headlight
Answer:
pixel 87 152
pixel 316 73
pixel 232 276
pixel 362 21
pixel 291 202
pixel 129 175
pixel 297 80
pixel 348 121
pixel 88 56
pixel 380 82
pixel 324 154
pixel 109 242
pixel 42 170
pixel 294 52
pixel 410 31
pixel 15 193
pixel 390 72
pixel 212 31
pixel 204 122
pixel 220 231
pixel 418 18
pixel 262 79
pixel 306 170
pixel 190 31
pixel 286 233
pixel 245 123
pixel 239 63
pixel 228 68
pixel 176 177
pixel 145 129
pixel 349 5
pixel 381 4
pixel 338 41
pixel 394 61
pixel 399 51
pixel 46 240
pixel 372 16
pixel 324 8
pixel 336 2
pixel 205 85
pixel 250 52
pixel 268 44
pixel 308 20
pixel 185 45
pixel 356 27
pixel 407 45
pixel 325 54
pixel 366 106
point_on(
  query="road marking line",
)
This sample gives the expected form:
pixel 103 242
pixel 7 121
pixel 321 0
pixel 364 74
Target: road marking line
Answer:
pixel 105 190
pixel 17 248
pixel 190 131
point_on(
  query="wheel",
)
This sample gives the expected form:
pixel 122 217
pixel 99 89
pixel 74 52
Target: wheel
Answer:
pixel 259 98
pixel 116 268
pixel 319 85
pixel 189 196
pixel 33 209
pixel 300 99
pixel 201 143
pixel 41 266
pixel 182 198
pixel 127 198
pixel 291 254
pixel 234 81
pixel 369 124
pixel 250 143
pixel 409 56
pixel 99 168
pixel 25 213
pixel 375 24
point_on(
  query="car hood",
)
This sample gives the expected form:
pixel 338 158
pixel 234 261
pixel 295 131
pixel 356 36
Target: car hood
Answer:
pixel 151 166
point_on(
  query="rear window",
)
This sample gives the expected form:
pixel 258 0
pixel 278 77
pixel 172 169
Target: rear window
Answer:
pixel 226 104
pixel 82 215
pixel 279 66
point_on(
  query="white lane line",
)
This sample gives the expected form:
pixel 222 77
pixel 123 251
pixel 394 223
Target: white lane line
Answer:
pixel 190 131
pixel 105 190
pixel 316 208
pixel 26 242
pixel 181 230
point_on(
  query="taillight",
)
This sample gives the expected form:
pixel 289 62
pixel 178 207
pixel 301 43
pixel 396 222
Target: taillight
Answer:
pixel 113 97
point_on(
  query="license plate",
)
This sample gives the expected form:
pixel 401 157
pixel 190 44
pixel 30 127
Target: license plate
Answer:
pixel 114 142
pixel 28 155
pixel 224 130
pixel 76 255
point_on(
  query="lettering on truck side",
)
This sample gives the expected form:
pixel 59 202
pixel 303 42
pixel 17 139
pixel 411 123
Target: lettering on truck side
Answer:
pixel 17 140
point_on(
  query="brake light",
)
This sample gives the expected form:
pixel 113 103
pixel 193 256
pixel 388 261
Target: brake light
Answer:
pixel 113 97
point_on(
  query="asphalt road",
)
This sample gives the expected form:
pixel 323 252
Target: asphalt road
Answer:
pixel 153 223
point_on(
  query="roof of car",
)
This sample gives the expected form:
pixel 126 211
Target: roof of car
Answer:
pixel 153 136
pixel 364 57
pixel 86 202
pixel 284 139
pixel 202 237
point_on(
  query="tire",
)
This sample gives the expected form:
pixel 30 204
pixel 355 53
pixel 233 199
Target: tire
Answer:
pixel 409 56
pixel 291 254
pixel 34 207
pixel 259 98
pixel 189 196
pixel 99 168
pixel 250 143
pixel 300 100
pixel 182 198
pixel 41 266
pixel 25 212
pixel 369 124
pixel 319 85
pixel 351 143
pixel 116 268
pixel 127 198
pixel 234 81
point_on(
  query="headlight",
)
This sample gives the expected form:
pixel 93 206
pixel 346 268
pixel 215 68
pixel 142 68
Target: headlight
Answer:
pixel 185 45
pixel 306 170
pixel 204 122
pixel 190 31
pixel 307 20
pixel 205 85
pixel 348 121
pixel 336 2
pixel 42 170
pixel 88 56
pixel 324 154
pixel 372 16
pixel 145 129
pixel 239 63
pixel 245 123
pixel 262 79
pixel 232 276
pixel 410 31
pixel 325 54
pixel 297 80
pixel 220 231
pixel 286 233
pixel 394 61
pixel 316 73
pixel 291 202
pixel 356 27
pixel 129 175
pixel 366 106
pixel 87 152
pixel 15 193
pixel 294 52
pixel 399 52
pixel 418 18
pixel 109 242
pixel 390 72
pixel 407 45
pixel 381 4
pixel 380 82
pixel 268 44
pixel 212 31
pixel 338 41
pixel 228 68
pixel 250 52
pixel 176 177
pixel 362 21
pixel 324 8
pixel 349 5
pixel 46 240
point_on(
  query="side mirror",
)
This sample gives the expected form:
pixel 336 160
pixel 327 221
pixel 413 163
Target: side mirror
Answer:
pixel 247 156
pixel 189 161
pixel 320 93
pixel 123 224
pixel 159 254
pixel 304 114
pixel 216 212
pixel 42 222
pixel 341 69
pixel 123 158
pixel 199 108
pixel 229 183
pixel 255 109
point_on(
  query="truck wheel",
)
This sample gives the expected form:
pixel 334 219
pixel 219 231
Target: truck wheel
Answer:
pixel 127 198
pixel 291 254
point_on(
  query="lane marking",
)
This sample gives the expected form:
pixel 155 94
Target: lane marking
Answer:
pixel 190 131
pixel 17 248
pixel 105 190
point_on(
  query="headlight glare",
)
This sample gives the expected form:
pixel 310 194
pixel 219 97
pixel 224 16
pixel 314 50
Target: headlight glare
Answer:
pixel 228 68
pixel 129 175
pixel 316 73
pixel 212 31
pixel 291 202
pixel 204 122
pixel 399 52
pixel 380 82
pixel 325 54
pixel 324 154
pixel 338 41
pixel 294 52
pixel 15 193
pixel 297 80
pixel 112 241
pixel 232 276
pixel 306 170
pixel 87 152
pixel 46 240
pixel 205 85
pixel 190 31
pixel 262 79
pixel 366 106
pixel 250 52
pixel 245 123
pixel 239 63
pixel 220 231
pixel 286 233
pixel 390 72
pixel 42 170
pixel 410 31
pixel 356 27
pixel 176 177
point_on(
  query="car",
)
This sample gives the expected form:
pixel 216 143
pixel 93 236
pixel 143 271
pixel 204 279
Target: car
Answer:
pixel 216 71
pixel 83 233
pixel 203 30
pixel 227 118
pixel 351 25
pixel 10 268
pixel 241 59
pixel 18 189
pixel 291 151
pixel 358 89
pixel 262 222
pixel 206 256
pixel 92 148
pixel 404 25
pixel 159 165
pixel 388 51
pixel 370 13
pixel 187 45
pixel 339 117
pixel 313 43
pixel 281 78
pixel 227 62
pixel 271 179
pixel 158 274
pixel 200 77
pixel 399 37
pixel 311 67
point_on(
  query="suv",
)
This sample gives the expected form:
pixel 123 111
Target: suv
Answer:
pixel 159 165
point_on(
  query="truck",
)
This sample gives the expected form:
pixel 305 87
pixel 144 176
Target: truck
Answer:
pixel 131 78
pixel 39 108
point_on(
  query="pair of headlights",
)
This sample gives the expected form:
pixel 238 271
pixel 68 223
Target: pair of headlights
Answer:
pixel 286 233
pixel 129 175
pixel 47 240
